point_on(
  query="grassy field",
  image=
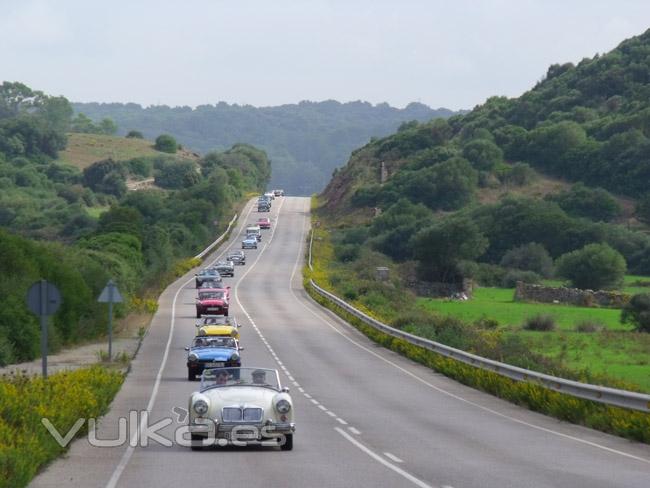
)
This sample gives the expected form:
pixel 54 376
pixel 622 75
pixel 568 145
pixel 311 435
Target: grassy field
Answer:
pixel 630 284
pixel 84 149
pixel 498 304
pixel 616 351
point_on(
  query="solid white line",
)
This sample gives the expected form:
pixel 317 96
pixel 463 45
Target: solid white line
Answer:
pixel 392 457
pixel 381 460
pixel 126 457
pixel 341 421
pixel 354 431
pixel 445 392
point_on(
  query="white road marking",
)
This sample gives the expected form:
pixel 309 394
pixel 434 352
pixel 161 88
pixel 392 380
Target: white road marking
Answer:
pixel 341 421
pixel 301 389
pixel 126 457
pixel 307 395
pixel 392 457
pixel 315 402
pixel 330 413
pixel 381 460
pixel 322 407
pixel 354 431
pixel 295 383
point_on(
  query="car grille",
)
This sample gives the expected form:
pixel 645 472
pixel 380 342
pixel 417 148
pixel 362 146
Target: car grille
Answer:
pixel 236 414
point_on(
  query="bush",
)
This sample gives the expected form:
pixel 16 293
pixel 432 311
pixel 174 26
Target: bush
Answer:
pixel 637 312
pixel 595 266
pixel 529 257
pixel 589 326
pixel 591 203
pixel 166 143
pixel 135 134
pixel 514 275
pixel 540 322
pixel 520 174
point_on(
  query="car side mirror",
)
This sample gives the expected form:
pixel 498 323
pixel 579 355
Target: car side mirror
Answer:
pixel 187 348
pixel 285 389
pixel 241 348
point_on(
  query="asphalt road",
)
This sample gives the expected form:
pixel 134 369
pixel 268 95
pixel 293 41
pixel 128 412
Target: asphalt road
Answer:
pixel 365 416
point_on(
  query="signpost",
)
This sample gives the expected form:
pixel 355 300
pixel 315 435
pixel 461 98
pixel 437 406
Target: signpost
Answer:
pixel 110 294
pixel 43 299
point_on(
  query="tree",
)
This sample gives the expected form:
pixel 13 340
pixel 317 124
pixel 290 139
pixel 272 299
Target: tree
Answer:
pixel 483 154
pixel 108 127
pixel 642 209
pixel 529 257
pixel 637 312
pixel 135 134
pixel 595 266
pixel 591 203
pixel 440 247
pixel 166 143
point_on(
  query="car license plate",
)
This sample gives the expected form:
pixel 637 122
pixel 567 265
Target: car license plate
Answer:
pixel 215 364
pixel 212 309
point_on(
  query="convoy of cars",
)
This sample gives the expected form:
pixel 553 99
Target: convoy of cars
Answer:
pixel 234 404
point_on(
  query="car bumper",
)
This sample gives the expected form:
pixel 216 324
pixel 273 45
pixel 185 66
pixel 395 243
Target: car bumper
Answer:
pixel 204 427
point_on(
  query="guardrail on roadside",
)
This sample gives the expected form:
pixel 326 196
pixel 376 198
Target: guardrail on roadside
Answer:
pixel 600 394
pixel 219 239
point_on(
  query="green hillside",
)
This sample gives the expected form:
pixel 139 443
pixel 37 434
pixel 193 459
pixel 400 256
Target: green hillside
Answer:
pixel 305 141
pixel 550 184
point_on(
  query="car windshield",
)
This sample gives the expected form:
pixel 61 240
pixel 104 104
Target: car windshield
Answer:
pixel 211 295
pixel 227 342
pixel 209 272
pixel 219 377
pixel 218 320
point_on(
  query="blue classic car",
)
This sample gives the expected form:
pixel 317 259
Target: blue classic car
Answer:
pixel 212 352
pixel 249 243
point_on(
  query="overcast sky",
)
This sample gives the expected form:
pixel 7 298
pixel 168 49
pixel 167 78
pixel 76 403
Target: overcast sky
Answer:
pixel 444 53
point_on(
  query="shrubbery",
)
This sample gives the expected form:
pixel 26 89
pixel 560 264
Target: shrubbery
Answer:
pixel 166 143
pixel 637 312
pixel 595 266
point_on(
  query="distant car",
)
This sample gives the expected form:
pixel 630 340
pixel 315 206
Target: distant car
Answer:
pixel 278 193
pixel 217 320
pixel 254 230
pixel 207 274
pixel 264 223
pixel 237 257
pixel 241 406
pixel 263 205
pixel 249 243
pixel 270 195
pixel 225 268
pixel 211 352
pixel 218 330
pixel 212 301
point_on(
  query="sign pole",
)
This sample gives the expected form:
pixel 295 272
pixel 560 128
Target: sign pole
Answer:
pixel 110 322
pixel 43 314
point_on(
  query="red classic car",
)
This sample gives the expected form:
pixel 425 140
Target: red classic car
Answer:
pixel 212 301
pixel 264 223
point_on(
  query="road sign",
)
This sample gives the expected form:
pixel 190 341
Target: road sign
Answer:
pixel 43 299
pixel 110 294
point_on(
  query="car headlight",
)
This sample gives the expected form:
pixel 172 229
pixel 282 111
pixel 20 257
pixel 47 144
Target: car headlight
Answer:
pixel 234 357
pixel 283 406
pixel 193 357
pixel 200 407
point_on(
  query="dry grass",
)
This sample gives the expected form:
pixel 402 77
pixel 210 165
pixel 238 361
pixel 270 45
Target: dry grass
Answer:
pixel 85 149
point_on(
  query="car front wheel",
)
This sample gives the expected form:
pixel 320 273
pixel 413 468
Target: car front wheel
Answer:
pixel 190 375
pixel 288 443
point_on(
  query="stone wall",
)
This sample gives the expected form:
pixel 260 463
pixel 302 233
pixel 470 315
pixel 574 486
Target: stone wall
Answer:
pixel 527 292
pixel 441 290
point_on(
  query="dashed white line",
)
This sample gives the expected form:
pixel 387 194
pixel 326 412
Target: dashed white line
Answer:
pixel 315 402
pixel 322 407
pixel 330 413
pixel 341 421
pixel 380 459
pixel 354 431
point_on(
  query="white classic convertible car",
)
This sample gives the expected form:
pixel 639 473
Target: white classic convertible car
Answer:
pixel 241 406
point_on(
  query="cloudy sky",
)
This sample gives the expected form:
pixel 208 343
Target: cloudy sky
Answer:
pixel 445 53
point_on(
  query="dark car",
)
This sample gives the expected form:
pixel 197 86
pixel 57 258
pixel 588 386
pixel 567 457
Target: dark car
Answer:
pixel 207 274
pixel 212 352
pixel 225 268
pixel 237 257
pixel 263 207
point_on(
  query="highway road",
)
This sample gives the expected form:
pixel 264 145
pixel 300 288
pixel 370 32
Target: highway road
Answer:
pixel 365 416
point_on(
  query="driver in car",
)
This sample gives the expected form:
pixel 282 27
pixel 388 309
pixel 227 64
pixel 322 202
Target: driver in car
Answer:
pixel 259 377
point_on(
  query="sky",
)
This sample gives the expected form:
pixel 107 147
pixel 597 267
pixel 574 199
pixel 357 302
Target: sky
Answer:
pixel 443 53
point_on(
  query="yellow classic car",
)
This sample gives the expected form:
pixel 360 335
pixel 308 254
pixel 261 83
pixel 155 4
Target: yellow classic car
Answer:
pixel 218 330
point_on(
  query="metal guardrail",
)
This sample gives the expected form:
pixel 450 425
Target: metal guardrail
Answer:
pixel 600 394
pixel 219 239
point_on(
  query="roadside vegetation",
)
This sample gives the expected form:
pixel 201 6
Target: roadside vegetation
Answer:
pixel 79 228
pixel 25 445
